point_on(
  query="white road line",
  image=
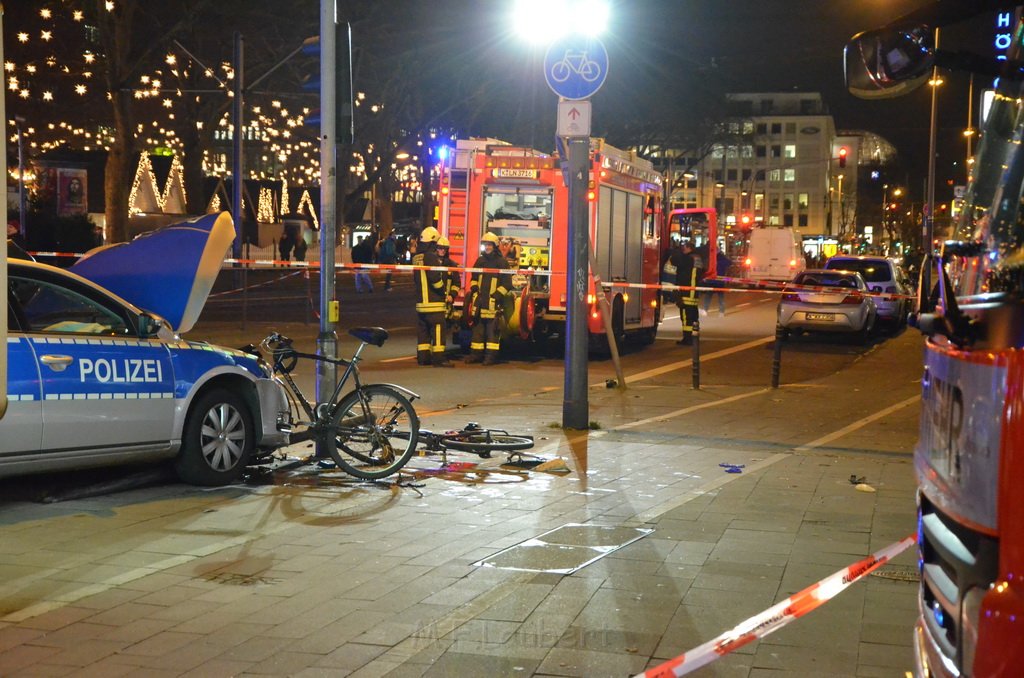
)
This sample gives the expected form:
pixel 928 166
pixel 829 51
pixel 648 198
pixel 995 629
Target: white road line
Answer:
pixel 692 408
pixel 647 374
pixel 871 418
pixel 661 509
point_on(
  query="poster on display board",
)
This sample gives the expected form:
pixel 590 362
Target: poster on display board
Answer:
pixel 72 192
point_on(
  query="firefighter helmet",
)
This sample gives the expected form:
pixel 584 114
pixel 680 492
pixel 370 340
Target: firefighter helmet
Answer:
pixel 443 242
pixel 429 234
pixel 489 237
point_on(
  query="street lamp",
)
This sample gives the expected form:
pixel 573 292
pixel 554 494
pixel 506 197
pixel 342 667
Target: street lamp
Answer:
pixel 543 21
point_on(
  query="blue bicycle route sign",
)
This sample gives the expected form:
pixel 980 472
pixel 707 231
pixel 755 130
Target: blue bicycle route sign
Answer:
pixel 576 66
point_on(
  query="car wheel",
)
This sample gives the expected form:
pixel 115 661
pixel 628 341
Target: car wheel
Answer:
pixel 218 440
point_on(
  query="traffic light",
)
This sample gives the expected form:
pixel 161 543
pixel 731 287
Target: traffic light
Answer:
pixel 344 104
pixel 843 152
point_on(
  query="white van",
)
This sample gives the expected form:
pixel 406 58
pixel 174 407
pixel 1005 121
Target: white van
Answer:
pixel 773 254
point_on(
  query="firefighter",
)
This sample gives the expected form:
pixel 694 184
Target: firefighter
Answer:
pixel 490 289
pixel 430 302
pixel 452 279
pixel 689 273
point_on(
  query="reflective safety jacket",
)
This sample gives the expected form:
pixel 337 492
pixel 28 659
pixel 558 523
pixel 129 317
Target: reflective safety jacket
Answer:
pixel 452 279
pixel 430 285
pixel 689 273
pixel 490 285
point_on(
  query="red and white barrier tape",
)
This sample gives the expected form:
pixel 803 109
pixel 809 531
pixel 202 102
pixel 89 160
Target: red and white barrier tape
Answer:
pixel 744 284
pixel 777 616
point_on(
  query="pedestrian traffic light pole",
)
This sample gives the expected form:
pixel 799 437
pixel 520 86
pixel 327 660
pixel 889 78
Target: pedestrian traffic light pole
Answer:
pixel 327 340
pixel 575 406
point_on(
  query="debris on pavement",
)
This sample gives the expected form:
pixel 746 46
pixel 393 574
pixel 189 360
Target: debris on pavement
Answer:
pixel 864 487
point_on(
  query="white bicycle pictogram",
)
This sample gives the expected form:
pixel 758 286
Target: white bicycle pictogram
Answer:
pixel 578 63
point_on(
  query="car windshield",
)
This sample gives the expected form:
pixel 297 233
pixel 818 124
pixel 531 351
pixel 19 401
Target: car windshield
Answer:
pixel 827 279
pixel 871 271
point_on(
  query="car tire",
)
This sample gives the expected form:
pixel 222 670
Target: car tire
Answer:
pixel 218 440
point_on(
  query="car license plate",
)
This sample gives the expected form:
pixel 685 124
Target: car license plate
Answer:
pixel 821 316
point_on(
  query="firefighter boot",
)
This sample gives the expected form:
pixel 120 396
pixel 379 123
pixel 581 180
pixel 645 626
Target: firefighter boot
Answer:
pixel 422 357
pixel 490 358
pixel 475 357
pixel 439 359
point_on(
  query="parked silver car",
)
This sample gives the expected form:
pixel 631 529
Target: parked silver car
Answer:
pixel 832 301
pixel 882 276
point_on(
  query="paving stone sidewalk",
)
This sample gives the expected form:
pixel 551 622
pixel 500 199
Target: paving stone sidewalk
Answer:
pixel 318 576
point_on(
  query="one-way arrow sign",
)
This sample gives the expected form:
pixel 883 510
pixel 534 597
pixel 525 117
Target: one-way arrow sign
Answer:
pixel 573 119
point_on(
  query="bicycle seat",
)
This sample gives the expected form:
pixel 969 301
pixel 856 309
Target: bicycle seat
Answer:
pixel 371 335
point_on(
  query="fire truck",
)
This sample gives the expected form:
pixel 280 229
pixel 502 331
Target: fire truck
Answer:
pixel 520 195
pixel 969 458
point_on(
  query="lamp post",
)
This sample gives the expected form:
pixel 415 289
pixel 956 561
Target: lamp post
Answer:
pixel 929 220
pixel 19 122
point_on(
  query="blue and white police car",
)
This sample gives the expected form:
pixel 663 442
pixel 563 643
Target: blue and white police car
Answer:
pixel 94 380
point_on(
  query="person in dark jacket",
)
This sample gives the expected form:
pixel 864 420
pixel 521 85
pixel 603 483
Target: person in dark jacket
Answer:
pixel 452 279
pixel 430 302
pixel 688 274
pixel 362 253
pixel 490 290
pixel 722 264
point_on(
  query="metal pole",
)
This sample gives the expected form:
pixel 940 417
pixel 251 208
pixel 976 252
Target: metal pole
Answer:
pixel 236 162
pixel 929 220
pixel 21 177
pixel 575 407
pixel 3 248
pixel 327 341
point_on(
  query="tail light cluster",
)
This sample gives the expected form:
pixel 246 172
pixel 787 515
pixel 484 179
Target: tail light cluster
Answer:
pixel 790 296
pixel 853 299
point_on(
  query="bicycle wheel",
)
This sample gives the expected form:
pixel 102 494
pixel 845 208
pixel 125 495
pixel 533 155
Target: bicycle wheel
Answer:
pixel 485 441
pixel 374 435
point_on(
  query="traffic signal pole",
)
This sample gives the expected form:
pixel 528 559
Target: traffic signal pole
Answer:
pixel 327 340
pixel 575 405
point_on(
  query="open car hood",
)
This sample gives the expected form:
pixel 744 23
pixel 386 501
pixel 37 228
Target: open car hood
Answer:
pixel 169 271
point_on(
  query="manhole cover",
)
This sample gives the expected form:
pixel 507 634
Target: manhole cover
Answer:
pixel 898 573
pixel 565 549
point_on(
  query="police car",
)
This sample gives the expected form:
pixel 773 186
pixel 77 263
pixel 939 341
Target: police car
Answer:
pixel 94 380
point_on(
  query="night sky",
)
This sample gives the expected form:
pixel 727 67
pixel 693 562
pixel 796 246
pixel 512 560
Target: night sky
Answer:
pixel 687 46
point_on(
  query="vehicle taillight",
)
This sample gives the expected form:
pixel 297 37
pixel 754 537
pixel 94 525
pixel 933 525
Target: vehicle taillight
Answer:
pixel 853 299
pixel 444 190
pixel 789 296
pixel 748 261
pixel 792 263
pixel 891 289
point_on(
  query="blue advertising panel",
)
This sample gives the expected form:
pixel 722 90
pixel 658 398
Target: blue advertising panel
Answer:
pixel 575 66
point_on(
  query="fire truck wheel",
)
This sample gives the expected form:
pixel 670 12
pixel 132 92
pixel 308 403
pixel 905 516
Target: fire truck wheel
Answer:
pixel 527 315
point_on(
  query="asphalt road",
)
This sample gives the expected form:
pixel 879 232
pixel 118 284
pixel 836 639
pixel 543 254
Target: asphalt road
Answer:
pixel 736 356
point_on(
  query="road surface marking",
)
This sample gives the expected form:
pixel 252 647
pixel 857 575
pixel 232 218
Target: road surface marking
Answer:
pixel 692 408
pixel 647 374
pixel 395 360
pixel 871 418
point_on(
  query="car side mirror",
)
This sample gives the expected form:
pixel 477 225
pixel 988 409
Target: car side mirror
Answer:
pixel 889 62
pixel 153 326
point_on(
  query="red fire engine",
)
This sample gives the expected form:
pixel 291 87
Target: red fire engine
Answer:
pixel 970 455
pixel 520 195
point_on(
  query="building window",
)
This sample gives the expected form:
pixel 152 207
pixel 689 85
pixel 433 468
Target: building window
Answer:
pixel 748 127
pixel 761 151
pixel 787 201
pixel 773 220
pixel 790 175
pixel 758 202
pixel 776 151
pixel 803 201
pixel 776 128
pixel 789 151
pixel 762 128
pixel 774 175
pixel 716 175
pixel 801 220
pixel 746 151
pixel 717 151
pixel 787 220
pixel 731 175
pixel 773 201
pixel 747 174
pixel 731 152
